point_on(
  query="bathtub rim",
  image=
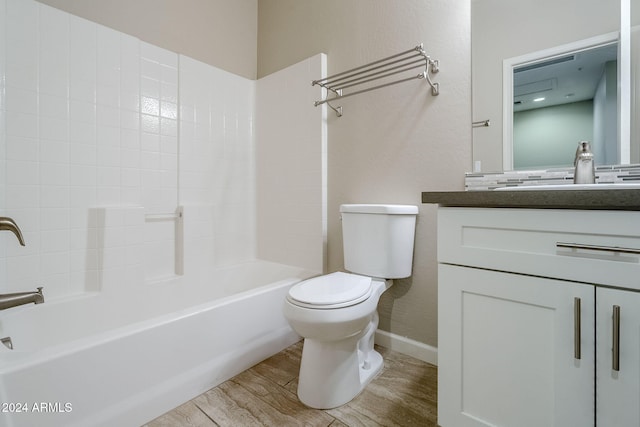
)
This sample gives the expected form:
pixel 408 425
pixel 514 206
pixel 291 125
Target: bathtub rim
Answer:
pixel 17 359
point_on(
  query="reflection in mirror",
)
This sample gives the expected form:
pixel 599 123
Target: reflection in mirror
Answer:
pixel 502 29
pixel 635 80
pixel 563 99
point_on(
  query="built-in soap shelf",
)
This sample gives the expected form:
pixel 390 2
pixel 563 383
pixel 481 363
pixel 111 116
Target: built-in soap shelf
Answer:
pixel 135 245
pixel 164 244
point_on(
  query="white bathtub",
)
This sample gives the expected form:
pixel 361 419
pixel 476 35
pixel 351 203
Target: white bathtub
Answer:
pixel 106 360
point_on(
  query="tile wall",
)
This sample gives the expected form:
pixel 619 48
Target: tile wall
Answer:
pixel 561 176
pixel 292 221
pixel 105 138
pixel 217 166
pixel 90 121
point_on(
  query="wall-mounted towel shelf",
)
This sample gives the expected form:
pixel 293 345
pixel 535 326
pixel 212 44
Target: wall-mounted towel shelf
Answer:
pixel 357 78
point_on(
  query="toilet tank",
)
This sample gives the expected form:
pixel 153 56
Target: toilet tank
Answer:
pixel 378 239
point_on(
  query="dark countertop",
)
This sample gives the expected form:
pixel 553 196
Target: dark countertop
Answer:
pixel 605 199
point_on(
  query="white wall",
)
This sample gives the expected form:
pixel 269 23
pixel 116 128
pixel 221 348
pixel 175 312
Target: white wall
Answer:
pixel 89 121
pixel 103 135
pixel 548 137
pixel 291 162
pixel 217 165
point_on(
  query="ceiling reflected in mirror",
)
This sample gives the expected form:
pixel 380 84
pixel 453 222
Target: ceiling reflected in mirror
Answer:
pixel 561 98
pixel 560 80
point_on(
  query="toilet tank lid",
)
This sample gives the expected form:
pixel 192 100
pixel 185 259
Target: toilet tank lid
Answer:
pixel 380 209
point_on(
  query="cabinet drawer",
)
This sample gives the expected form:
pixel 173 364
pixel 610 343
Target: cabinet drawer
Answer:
pixel 600 247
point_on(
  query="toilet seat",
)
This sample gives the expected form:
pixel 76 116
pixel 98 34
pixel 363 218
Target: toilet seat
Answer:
pixel 335 290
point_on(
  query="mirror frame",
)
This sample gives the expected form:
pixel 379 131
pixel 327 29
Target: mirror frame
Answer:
pixel 624 88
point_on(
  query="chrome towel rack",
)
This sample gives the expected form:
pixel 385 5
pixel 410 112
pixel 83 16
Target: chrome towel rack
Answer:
pixel 355 78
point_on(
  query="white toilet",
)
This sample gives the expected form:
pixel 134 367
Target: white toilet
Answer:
pixel 336 313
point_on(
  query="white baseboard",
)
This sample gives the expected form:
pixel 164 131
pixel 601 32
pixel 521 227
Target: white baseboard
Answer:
pixel 407 346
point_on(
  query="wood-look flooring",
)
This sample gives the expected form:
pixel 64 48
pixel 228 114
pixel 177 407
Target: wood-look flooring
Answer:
pixel 403 394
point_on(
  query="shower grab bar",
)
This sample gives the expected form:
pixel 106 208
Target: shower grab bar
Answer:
pixel 382 68
pixel 163 216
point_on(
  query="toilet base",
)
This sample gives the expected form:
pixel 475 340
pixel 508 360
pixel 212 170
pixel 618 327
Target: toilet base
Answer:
pixel 333 373
pixel 375 366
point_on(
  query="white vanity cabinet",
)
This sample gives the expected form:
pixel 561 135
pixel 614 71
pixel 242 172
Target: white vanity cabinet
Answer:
pixel 618 391
pixel 506 353
pixel 525 317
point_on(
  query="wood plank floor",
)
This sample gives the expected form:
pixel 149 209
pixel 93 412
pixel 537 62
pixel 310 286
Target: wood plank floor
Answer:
pixel 403 394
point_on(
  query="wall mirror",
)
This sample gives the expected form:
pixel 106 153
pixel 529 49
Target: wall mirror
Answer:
pixel 517 42
pixel 555 98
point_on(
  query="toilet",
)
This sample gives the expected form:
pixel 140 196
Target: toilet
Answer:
pixel 336 313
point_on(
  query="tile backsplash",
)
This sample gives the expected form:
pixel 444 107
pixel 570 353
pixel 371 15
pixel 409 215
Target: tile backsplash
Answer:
pixel 560 176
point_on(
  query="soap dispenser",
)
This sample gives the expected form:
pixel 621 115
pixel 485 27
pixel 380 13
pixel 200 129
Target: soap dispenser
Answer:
pixel 584 166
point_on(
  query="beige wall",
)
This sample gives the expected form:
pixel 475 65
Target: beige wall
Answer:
pixel 222 33
pixel 390 144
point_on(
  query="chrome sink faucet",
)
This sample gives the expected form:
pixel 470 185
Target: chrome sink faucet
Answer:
pixel 8 224
pixel 21 298
pixel 584 172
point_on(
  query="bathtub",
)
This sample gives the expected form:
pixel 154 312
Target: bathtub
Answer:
pixel 114 358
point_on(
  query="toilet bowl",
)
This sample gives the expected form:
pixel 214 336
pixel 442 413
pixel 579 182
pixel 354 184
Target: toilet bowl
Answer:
pixel 336 314
pixel 338 359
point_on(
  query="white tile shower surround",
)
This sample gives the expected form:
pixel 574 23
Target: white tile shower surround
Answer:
pixel 292 218
pixel 561 176
pixel 99 129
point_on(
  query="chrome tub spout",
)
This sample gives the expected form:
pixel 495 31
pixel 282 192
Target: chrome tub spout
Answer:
pixel 21 298
pixel 8 224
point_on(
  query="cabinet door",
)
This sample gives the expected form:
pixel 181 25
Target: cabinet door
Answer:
pixel 507 350
pixel 618 387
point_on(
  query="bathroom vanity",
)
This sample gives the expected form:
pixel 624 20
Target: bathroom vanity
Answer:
pixel 538 308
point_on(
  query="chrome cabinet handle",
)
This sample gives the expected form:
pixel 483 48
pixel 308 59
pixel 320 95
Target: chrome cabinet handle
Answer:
pixel 616 249
pixel 615 353
pixel 576 328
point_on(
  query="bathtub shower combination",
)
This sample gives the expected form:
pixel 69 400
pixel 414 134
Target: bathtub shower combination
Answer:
pixel 66 371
